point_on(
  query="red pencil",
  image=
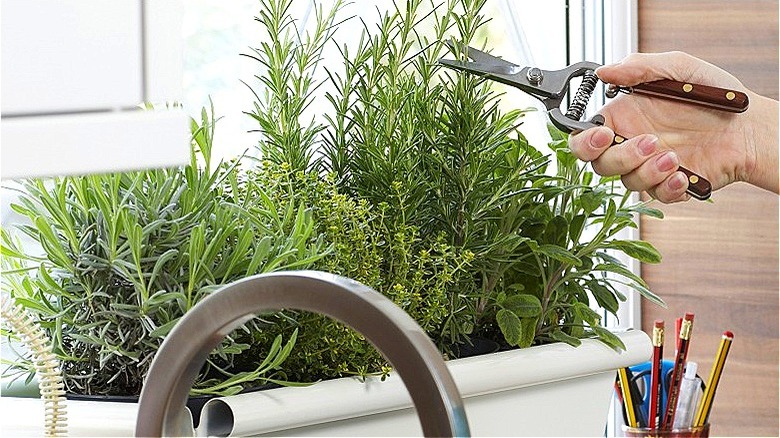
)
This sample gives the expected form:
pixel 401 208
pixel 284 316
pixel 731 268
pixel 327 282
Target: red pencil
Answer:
pixel 656 382
pixel 677 372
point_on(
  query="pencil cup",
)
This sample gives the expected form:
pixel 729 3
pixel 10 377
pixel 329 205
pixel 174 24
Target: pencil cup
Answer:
pixel 695 431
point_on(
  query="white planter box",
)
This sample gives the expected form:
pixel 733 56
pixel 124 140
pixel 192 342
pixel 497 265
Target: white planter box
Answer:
pixel 550 390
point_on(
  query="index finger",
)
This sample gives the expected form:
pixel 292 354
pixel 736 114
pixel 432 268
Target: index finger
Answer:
pixel 589 144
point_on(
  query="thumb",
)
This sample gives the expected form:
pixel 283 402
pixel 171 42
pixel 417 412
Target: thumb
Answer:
pixel 645 67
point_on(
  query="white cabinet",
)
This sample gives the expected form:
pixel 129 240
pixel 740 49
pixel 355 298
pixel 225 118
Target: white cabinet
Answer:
pixel 73 75
pixel 70 56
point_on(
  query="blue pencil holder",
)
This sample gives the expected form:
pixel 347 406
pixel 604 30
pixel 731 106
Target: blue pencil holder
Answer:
pixel 641 375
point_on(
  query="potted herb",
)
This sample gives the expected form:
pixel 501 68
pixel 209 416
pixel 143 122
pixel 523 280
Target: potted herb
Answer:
pixel 438 163
pixel 126 255
pixel 413 182
pixel 441 167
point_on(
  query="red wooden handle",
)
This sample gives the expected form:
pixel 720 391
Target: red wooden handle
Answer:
pixel 712 97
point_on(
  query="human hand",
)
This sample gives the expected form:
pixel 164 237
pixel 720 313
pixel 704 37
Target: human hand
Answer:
pixel 664 134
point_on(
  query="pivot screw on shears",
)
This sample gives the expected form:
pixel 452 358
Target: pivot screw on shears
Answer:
pixel 613 90
pixel 534 75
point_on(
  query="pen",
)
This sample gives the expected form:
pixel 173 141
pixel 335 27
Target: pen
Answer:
pixel 677 371
pixel 628 403
pixel 656 382
pixel 703 413
pixel 619 395
pixel 686 405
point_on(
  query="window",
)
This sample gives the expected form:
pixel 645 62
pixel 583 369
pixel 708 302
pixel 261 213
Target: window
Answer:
pixel 73 76
pixel 216 33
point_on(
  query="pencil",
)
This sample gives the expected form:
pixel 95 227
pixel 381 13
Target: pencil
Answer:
pixel 677 327
pixel 628 402
pixel 677 371
pixel 656 382
pixel 703 413
pixel 619 394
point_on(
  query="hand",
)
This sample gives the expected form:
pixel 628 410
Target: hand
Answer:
pixel 720 146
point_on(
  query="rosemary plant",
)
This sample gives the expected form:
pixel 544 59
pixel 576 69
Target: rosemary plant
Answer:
pixel 431 151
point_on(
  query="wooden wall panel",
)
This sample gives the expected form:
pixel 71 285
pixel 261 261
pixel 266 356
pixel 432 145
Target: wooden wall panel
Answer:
pixel 721 259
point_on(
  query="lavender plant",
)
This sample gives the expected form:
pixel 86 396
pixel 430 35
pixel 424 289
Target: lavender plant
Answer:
pixel 125 255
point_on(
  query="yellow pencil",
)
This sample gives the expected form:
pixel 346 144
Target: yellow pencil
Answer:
pixel 705 406
pixel 628 402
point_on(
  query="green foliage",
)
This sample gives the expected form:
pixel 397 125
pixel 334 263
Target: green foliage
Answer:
pixel 127 254
pixel 362 248
pixel 414 182
pixel 433 149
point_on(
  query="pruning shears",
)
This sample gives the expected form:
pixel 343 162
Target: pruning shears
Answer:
pixel 550 88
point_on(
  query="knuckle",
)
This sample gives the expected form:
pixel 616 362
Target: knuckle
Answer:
pixel 634 57
pixel 667 195
pixel 626 162
pixel 631 184
pixel 678 55
pixel 598 167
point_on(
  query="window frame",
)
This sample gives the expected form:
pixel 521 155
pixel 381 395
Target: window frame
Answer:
pixel 611 37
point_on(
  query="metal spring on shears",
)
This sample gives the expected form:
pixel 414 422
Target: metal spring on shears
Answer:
pixel 580 100
pixel 46 366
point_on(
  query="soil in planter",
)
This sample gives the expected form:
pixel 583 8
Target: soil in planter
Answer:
pixel 474 347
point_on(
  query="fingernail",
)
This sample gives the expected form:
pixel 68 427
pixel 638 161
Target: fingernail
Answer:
pixel 601 138
pixel 667 162
pixel 678 181
pixel 647 145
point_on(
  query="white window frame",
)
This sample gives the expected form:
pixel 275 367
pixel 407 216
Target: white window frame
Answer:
pixel 605 32
pixel 614 36
pixel 602 31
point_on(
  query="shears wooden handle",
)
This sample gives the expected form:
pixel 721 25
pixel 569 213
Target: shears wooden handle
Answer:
pixel 722 99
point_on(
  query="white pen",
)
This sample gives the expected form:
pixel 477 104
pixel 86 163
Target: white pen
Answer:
pixel 688 398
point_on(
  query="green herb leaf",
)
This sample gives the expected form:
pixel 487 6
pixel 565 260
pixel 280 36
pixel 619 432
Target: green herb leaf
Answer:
pixel 604 297
pixel 609 338
pixel 586 314
pixel 638 249
pixel 527 332
pixel 523 305
pixel 647 211
pixel 590 200
pixel 558 335
pixel 510 326
pixel 560 254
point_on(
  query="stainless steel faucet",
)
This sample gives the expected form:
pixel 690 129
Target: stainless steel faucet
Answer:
pixel 395 334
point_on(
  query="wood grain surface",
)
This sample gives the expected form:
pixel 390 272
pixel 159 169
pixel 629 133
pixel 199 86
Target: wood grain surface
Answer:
pixel 721 258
